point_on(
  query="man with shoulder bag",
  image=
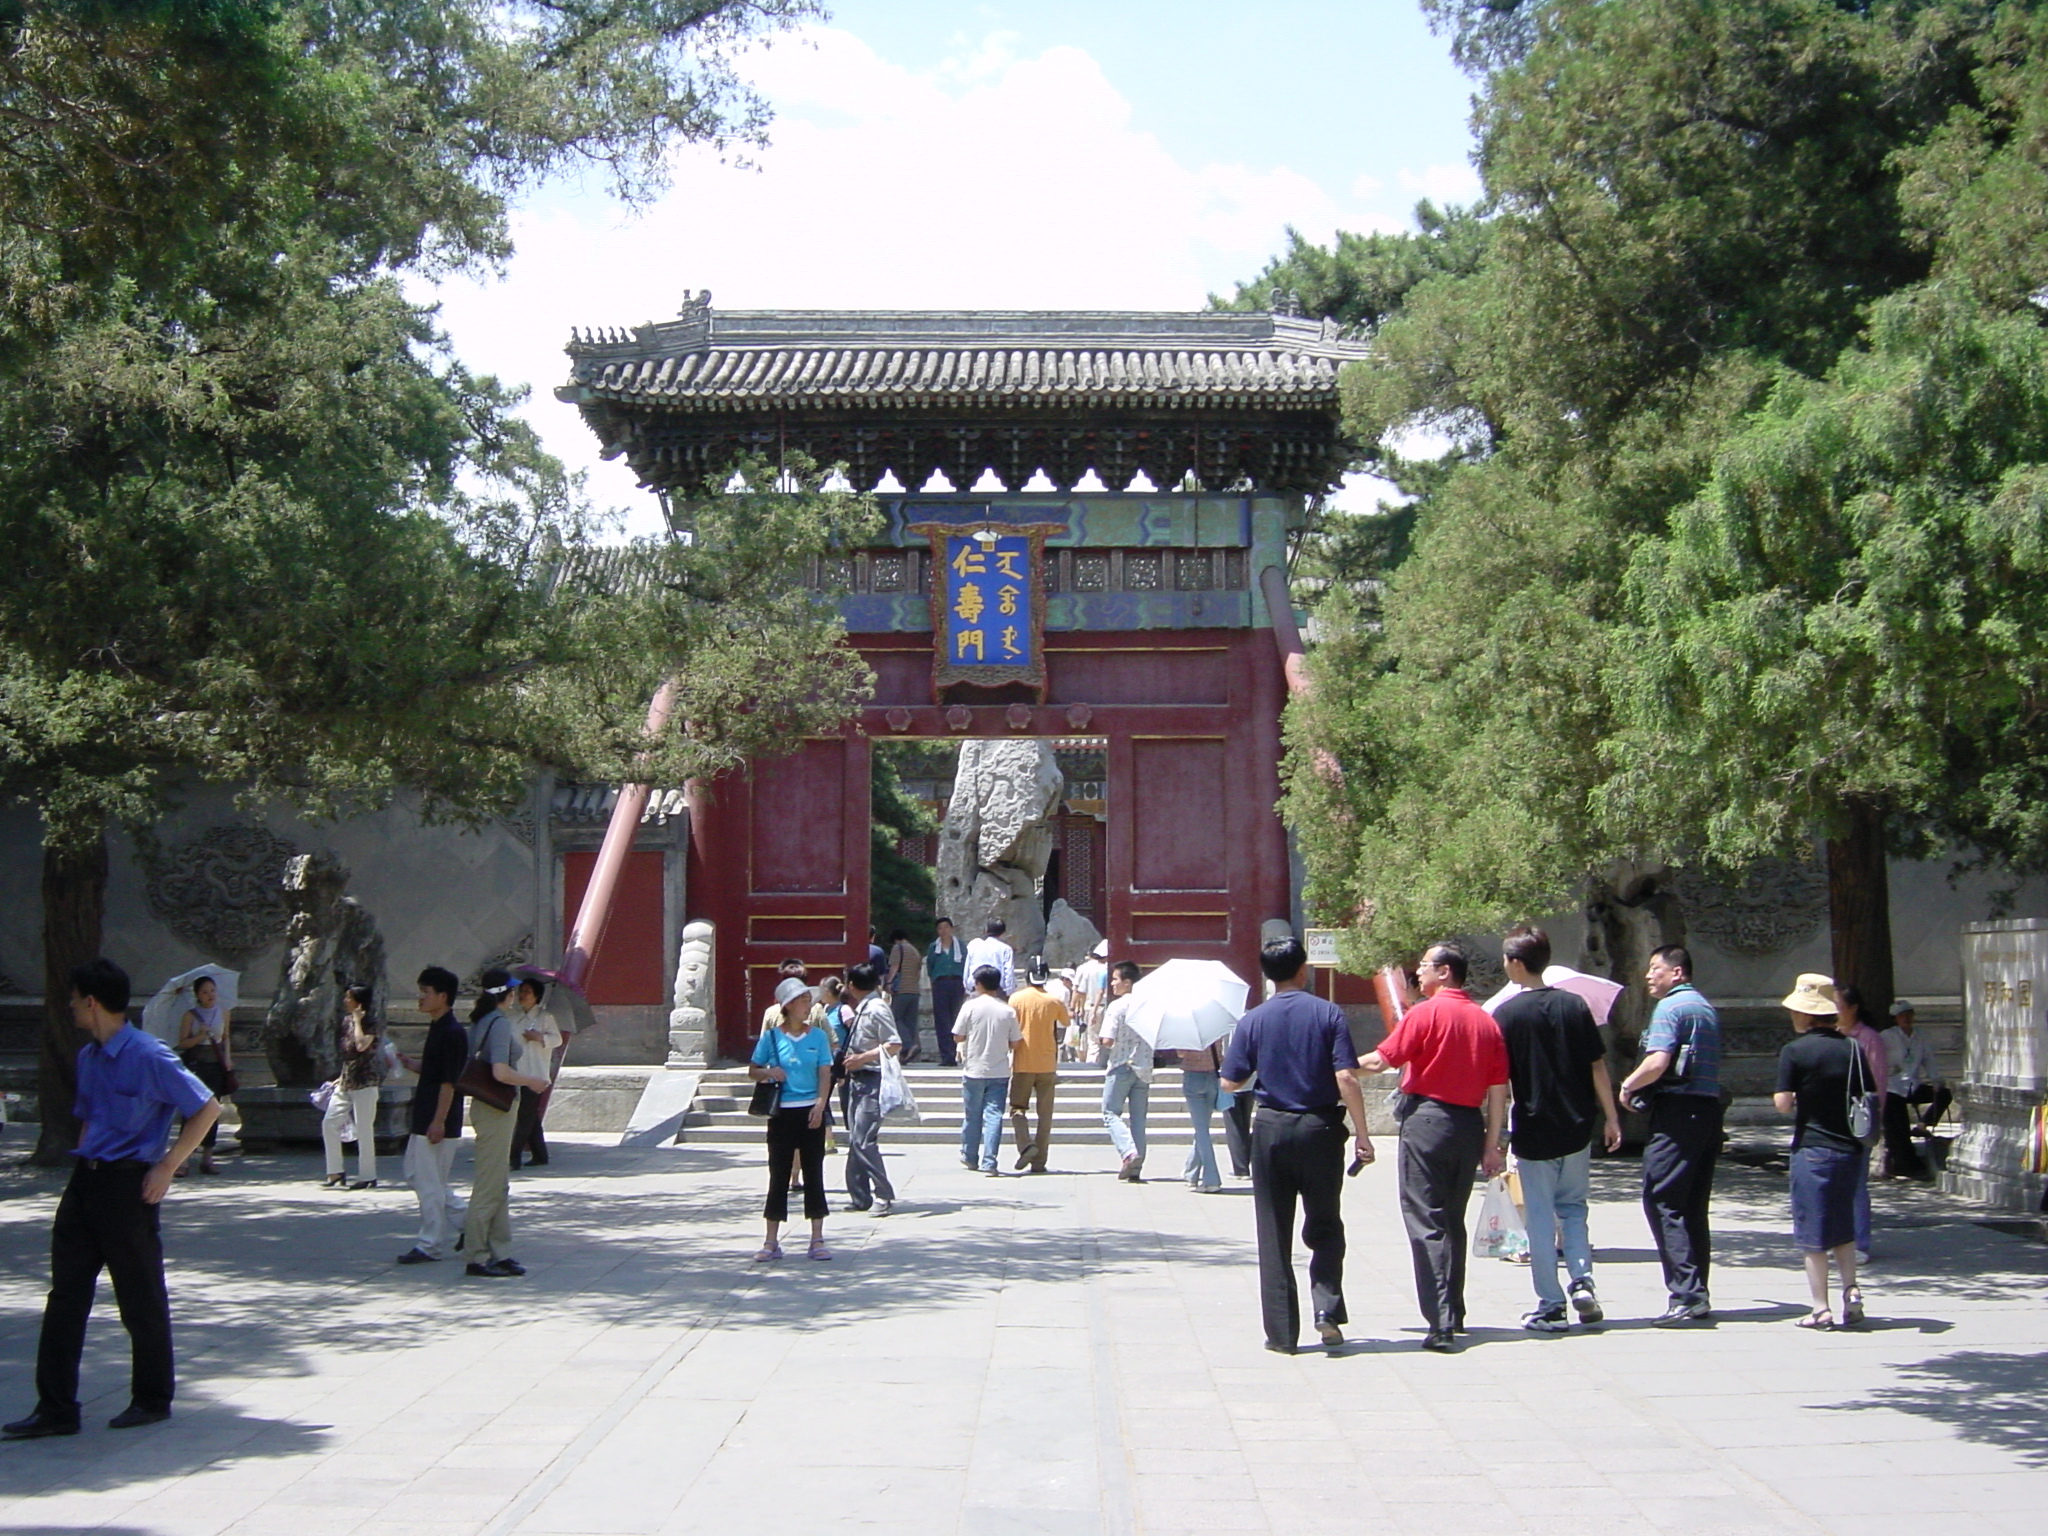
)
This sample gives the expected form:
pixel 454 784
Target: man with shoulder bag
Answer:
pixel 871 1036
pixel 1679 1082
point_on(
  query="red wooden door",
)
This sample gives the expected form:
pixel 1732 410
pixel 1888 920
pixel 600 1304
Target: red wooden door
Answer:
pixel 1170 849
pixel 630 965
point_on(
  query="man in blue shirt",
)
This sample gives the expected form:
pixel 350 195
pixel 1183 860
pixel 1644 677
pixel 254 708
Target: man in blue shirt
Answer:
pixel 1680 1076
pixel 1300 1048
pixel 128 1085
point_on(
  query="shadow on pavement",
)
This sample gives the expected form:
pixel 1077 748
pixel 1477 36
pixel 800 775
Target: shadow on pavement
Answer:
pixel 1992 1397
pixel 99 1460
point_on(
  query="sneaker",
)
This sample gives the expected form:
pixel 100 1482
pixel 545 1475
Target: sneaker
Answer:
pixel 1679 1313
pixel 1329 1333
pixel 883 1207
pixel 509 1267
pixel 1547 1320
pixel 491 1271
pixel 1440 1341
pixel 1586 1302
pixel 1023 1160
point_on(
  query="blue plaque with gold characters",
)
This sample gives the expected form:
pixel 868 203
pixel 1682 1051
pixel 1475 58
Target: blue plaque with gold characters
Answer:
pixel 988 605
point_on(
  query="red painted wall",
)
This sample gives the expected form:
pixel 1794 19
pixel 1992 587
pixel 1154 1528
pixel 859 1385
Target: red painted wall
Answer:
pixel 629 962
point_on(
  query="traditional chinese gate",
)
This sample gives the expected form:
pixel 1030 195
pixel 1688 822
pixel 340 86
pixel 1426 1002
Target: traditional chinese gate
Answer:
pixel 1135 616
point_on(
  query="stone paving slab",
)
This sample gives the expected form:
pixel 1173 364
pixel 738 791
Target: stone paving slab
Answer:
pixel 1062 1355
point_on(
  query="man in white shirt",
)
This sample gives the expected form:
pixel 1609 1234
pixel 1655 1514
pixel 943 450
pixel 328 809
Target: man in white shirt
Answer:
pixel 1126 1075
pixel 1091 984
pixel 986 1029
pixel 994 950
pixel 540 1055
pixel 1914 1079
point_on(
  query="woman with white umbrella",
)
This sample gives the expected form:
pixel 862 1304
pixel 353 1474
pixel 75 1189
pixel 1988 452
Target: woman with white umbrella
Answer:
pixel 1187 1006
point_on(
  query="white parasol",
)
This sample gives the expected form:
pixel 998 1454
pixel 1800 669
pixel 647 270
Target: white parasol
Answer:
pixel 1598 992
pixel 162 1014
pixel 1186 1005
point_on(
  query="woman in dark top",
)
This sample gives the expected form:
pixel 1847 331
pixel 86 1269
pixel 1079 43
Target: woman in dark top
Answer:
pixel 1815 1075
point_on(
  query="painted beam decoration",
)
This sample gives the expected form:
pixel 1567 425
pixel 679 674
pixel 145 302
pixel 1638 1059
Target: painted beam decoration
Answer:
pixel 988 604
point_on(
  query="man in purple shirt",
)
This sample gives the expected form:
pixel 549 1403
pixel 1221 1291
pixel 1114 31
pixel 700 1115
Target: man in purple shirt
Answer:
pixel 128 1085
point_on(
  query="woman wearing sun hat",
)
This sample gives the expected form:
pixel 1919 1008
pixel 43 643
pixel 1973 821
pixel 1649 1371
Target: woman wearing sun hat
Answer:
pixel 1816 1074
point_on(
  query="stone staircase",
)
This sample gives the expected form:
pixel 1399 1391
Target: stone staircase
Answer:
pixel 718 1117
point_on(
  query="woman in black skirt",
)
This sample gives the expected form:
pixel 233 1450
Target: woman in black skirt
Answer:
pixel 1815 1076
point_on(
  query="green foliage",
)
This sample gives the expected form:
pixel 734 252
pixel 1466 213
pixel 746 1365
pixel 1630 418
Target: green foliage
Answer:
pixel 1737 519
pixel 902 893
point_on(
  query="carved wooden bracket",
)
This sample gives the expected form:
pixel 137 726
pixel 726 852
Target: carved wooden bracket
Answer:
pixel 1078 716
pixel 898 718
pixel 959 717
pixel 1019 716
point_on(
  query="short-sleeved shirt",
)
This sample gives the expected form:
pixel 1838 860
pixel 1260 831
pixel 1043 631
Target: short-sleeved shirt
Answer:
pixel 1297 1043
pixel 1681 1015
pixel 127 1089
pixel 943 960
pixel 873 1026
pixel 908 964
pixel 493 1040
pixel 987 1027
pixel 1449 1049
pixel 799 1060
pixel 1816 1069
pixel 1041 1017
pixel 1553 1045
pixel 1127 1048
pixel 364 1068
pixel 441 1062
pixel 1091 981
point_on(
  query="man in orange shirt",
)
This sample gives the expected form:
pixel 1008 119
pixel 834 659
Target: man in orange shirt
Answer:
pixel 1035 1062
pixel 1454 1103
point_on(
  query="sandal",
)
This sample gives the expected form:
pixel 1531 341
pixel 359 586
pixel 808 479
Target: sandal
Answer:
pixel 820 1251
pixel 1852 1307
pixel 769 1252
pixel 1820 1319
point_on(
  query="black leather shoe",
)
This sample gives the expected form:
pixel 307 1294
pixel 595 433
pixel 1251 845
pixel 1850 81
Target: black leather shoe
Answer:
pixel 509 1267
pixel 486 1271
pixel 1440 1340
pixel 134 1416
pixel 37 1425
pixel 414 1256
pixel 1280 1349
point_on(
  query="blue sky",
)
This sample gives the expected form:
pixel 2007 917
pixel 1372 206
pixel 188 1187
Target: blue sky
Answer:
pixel 1051 154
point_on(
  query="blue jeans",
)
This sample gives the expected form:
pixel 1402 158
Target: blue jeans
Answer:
pixel 981 1120
pixel 1554 1192
pixel 1201 1092
pixel 1121 1092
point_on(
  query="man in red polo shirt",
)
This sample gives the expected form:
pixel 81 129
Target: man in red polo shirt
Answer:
pixel 1455 1098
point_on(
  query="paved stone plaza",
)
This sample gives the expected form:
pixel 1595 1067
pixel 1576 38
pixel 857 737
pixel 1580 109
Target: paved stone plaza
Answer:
pixel 1062 1354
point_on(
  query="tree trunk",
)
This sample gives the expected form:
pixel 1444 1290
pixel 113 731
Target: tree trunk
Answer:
pixel 1860 907
pixel 74 909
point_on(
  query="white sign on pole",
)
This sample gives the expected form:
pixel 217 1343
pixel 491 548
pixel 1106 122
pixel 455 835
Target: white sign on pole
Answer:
pixel 1321 944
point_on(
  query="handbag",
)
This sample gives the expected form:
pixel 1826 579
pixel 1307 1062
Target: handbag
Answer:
pixel 481 1083
pixel 322 1097
pixel 1499 1232
pixel 766 1099
pixel 1866 1113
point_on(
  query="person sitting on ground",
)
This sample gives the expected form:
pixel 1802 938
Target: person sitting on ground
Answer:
pixel 993 949
pixel 1034 1069
pixel 1911 1079
pixel 987 1031
pixel 1561 1095
pixel 1816 1073
pixel 796 1054
pixel 206 1047
pixel 352 1108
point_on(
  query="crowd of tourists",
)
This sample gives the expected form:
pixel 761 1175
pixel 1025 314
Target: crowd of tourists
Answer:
pixel 1528 1080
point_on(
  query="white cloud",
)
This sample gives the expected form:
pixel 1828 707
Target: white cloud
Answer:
pixel 1442 183
pixel 997 181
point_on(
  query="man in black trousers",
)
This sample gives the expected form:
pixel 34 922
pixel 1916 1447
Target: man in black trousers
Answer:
pixel 1301 1049
pixel 128 1085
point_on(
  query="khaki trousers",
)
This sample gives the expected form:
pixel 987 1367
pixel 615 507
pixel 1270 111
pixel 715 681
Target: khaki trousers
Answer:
pixel 1023 1085
pixel 487 1234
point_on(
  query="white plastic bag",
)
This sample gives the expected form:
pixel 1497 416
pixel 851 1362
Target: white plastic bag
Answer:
pixel 1498 1233
pixel 897 1101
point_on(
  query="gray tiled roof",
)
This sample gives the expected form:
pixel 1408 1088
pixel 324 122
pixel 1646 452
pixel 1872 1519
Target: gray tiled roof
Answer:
pixel 707 361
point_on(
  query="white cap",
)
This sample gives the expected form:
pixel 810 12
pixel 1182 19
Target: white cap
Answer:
pixel 789 990
pixel 1903 1005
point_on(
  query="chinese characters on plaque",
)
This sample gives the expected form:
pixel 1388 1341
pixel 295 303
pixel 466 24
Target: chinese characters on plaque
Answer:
pixel 988 606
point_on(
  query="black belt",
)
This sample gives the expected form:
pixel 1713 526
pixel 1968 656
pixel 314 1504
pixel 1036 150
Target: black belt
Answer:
pixel 97 1163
